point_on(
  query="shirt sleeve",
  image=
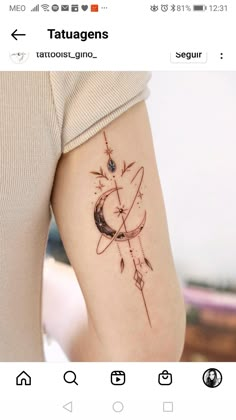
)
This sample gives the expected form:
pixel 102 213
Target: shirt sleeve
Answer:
pixel 86 102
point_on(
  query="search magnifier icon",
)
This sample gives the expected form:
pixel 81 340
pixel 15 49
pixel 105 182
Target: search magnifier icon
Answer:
pixel 70 377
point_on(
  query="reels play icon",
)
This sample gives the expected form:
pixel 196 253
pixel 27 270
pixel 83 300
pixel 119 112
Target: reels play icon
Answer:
pixel 118 377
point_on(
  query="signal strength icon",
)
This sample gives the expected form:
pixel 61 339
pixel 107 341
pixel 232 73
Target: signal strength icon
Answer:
pixel 35 9
pixel 45 7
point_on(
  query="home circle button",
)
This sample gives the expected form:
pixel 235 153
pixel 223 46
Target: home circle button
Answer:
pixel 118 406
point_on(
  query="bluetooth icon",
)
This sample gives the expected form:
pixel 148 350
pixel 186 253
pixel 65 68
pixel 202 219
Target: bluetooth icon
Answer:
pixel 173 7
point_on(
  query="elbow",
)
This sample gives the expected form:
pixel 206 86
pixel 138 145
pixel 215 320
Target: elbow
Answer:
pixel 162 346
pixel 164 342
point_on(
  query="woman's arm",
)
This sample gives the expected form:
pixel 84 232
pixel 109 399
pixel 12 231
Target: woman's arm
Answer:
pixel 108 205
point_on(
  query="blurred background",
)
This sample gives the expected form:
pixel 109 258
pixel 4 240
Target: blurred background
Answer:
pixel 193 115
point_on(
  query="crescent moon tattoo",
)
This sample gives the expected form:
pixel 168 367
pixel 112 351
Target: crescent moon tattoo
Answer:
pixel 108 231
pixel 122 234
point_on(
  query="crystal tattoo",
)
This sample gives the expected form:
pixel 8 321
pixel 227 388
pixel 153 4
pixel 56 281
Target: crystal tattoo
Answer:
pixel 121 235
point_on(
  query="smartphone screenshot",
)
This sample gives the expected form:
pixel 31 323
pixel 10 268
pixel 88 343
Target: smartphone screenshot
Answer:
pixel 117 210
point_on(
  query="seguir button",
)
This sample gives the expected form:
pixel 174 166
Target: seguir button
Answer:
pixel 186 57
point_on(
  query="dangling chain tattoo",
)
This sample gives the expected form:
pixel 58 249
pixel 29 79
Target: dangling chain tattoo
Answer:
pixel 122 234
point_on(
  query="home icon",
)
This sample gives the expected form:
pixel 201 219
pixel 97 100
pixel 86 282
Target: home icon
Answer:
pixel 23 379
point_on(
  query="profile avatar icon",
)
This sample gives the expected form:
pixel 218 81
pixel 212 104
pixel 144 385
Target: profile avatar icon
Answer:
pixel 19 57
pixel 212 378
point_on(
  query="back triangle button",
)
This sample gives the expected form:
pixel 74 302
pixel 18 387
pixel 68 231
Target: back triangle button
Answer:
pixel 68 406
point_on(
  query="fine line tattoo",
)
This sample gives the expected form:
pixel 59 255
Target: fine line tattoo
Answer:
pixel 122 234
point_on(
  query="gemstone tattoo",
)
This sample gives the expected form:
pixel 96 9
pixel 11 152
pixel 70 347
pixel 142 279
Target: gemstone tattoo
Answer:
pixel 109 180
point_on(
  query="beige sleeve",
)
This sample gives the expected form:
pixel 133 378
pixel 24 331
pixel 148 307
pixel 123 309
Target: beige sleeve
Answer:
pixel 86 102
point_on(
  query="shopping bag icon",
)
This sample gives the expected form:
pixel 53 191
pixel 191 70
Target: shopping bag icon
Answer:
pixel 165 378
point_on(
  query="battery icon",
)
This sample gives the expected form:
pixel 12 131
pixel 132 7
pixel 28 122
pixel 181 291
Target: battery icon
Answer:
pixel 199 8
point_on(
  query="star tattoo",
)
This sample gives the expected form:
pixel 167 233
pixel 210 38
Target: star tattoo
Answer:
pixel 100 186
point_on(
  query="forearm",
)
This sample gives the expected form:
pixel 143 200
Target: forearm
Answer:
pixel 64 312
pixel 66 320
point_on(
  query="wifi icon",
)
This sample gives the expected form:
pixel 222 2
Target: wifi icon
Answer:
pixel 45 7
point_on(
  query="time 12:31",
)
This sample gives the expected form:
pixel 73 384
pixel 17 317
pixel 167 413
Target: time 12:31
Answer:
pixel 218 7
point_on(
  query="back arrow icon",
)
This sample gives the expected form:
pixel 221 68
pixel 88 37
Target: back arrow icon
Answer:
pixel 14 34
pixel 68 406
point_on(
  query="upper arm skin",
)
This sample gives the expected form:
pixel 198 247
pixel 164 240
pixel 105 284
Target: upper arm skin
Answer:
pixel 125 322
